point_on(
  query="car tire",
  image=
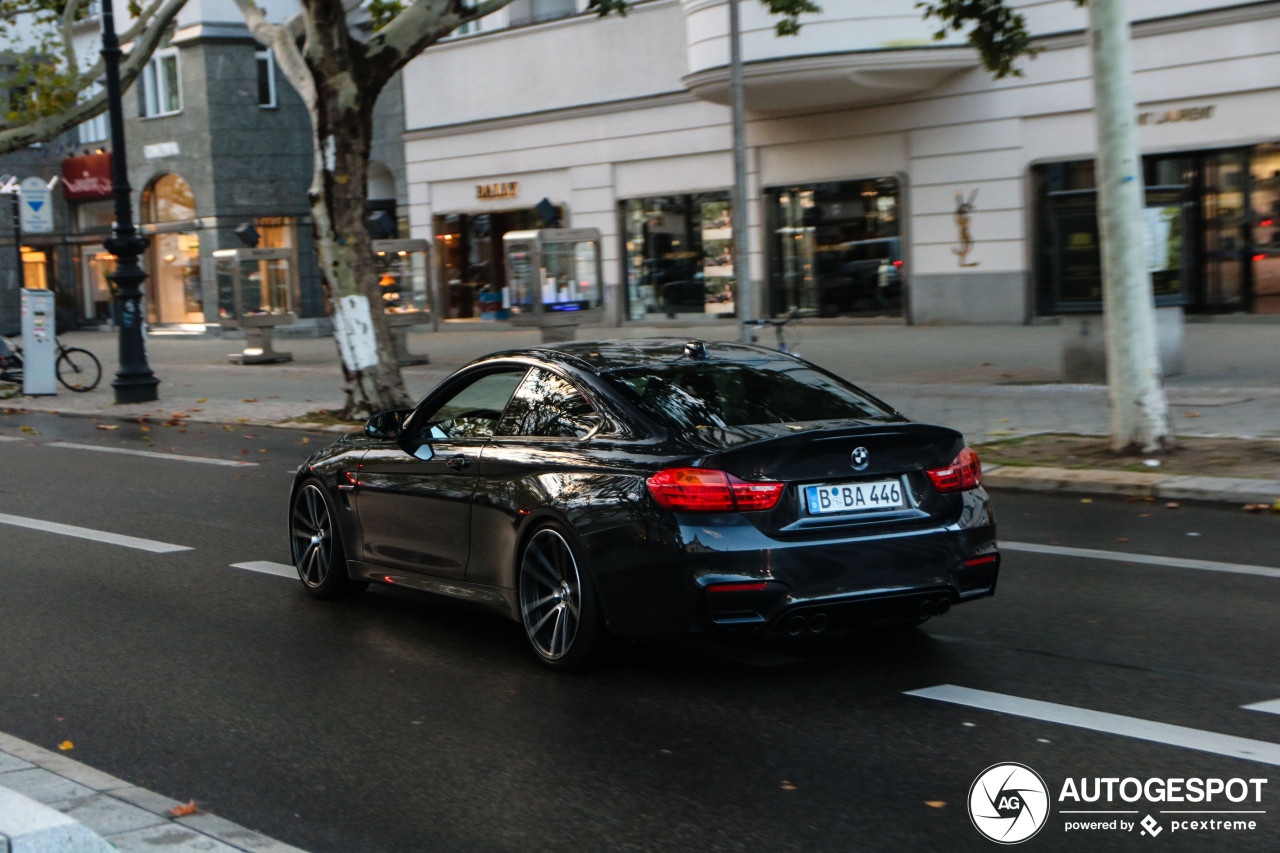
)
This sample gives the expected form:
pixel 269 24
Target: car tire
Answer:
pixel 316 545
pixel 557 601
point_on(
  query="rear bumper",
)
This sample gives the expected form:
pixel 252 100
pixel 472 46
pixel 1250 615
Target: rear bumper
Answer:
pixel 689 574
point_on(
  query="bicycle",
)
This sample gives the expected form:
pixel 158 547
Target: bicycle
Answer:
pixel 777 330
pixel 77 369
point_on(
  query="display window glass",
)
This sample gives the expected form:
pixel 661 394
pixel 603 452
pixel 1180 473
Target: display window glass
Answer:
pixel 835 249
pixel 678 252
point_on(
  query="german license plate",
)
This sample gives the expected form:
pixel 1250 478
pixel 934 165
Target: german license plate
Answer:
pixel 854 497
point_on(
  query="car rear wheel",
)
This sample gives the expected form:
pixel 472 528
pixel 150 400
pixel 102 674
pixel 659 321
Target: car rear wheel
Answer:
pixel 317 550
pixel 558 603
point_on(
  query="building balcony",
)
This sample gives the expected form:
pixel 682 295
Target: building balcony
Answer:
pixel 854 52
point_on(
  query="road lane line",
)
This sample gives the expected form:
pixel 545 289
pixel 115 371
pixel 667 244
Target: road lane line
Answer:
pixel 94 535
pixel 1100 721
pixel 1145 559
pixel 175 457
pixel 267 567
pixel 1271 706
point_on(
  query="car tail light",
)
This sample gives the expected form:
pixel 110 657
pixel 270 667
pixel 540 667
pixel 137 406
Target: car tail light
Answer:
pixel 706 490
pixel 964 473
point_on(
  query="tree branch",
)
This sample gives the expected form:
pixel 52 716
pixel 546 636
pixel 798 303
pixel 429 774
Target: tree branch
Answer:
pixel 282 39
pixel 418 26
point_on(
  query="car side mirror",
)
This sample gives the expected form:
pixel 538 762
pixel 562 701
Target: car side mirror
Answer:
pixel 386 425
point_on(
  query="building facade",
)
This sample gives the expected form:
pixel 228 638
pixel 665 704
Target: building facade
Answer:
pixel 889 174
pixel 217 139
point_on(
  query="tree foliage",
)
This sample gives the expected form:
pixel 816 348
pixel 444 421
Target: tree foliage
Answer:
pixel 49 72
pixel 997 32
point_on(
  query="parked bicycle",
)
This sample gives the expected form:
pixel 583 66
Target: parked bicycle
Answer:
pixel 778 326
pixel 77 369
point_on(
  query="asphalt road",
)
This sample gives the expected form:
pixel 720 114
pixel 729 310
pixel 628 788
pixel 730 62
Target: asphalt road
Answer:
pixel 399 723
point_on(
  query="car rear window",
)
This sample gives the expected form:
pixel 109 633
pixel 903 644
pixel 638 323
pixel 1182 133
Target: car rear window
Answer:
pixel 688 396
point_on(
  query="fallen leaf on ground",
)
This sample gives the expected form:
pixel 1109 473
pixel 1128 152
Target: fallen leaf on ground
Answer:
pixel 935 804
pixel 1173 505
pixel 182 811
pixel 244 450
pixel 1193 414
pixel 262 450
pixel 107 426
pixel 203 400
pixel 65 745
pixel 30 430
pixel 1086 500
pixel 1255 507
pixel 787 786
pixel 305 440
pixel 145 429
pixel 249 400
pixel 1123 539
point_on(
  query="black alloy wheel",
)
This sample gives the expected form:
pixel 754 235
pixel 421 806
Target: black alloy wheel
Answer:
pixel 317 551
pixel 557 602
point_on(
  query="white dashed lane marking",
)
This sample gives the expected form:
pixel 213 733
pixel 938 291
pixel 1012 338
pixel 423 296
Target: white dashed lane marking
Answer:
pixel 172 457
pixel 91 534
pixel 1271 706
pixel 267 567
pixel 1144 559
pixel 1100 721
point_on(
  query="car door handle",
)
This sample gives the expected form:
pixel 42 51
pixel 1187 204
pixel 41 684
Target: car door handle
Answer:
pixel 458 463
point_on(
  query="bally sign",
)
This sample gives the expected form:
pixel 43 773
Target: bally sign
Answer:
pixel 506 189
pixel 87 177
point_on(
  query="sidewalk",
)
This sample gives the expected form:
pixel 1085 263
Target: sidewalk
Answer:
pixel 51 804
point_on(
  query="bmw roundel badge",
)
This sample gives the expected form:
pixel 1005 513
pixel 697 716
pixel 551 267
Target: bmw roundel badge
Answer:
pixel 860 458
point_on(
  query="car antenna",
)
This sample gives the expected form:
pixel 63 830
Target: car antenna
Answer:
pixel 696 350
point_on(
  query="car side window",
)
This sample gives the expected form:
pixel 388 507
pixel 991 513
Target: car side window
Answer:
pixel 473 411
pixel 548 405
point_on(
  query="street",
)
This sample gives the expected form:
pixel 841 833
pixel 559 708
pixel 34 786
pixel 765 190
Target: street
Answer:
pixel 395 722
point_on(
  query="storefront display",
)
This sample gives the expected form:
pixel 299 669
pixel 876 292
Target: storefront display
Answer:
pixel 835 249
pixel 679 255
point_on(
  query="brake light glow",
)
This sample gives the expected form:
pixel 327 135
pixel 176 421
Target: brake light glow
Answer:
pixel 707 490
pixel 964 473
pixel 738 587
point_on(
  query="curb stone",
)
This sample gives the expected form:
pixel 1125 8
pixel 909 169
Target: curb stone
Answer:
pixel 52 804
pixel 1226 490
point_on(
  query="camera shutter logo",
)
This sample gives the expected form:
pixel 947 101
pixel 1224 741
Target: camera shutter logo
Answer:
pixel 1008 803
pixel 860 458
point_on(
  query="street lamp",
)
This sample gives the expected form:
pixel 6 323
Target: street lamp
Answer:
pixel 135 383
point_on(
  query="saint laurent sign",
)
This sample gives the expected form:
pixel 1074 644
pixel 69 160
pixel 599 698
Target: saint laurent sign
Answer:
pixel 506 189
pixel 1170 116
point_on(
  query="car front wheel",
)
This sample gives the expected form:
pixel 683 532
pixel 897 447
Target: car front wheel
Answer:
pixel 317 550
pixel 558 603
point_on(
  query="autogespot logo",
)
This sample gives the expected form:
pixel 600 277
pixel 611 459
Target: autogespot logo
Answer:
pixel 1008 803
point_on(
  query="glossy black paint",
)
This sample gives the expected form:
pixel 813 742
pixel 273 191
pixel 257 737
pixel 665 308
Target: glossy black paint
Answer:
pixel 455 523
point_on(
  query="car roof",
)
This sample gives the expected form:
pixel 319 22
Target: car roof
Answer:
pixel 605 356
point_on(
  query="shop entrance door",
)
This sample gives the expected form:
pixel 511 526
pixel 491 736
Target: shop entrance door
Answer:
pixel 1265 203
pixel 1226 230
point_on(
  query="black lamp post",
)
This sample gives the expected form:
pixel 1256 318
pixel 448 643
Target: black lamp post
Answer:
pixel 135 383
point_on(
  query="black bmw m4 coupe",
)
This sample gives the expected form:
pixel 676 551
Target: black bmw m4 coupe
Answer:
pixel 651 486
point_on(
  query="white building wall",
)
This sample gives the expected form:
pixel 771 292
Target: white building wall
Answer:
pixel 609 120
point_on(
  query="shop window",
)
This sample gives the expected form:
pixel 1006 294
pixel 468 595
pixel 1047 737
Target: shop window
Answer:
pixel 266 61
pixel 169 200
pixel 161 89
pixel 174 289
pixel 836 249
pixel 678 252
pixel 469 255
